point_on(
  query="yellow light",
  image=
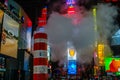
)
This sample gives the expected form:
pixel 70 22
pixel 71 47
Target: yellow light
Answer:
pixel 71 52
pixel 94 11
pixel 101 53
pixel 95 21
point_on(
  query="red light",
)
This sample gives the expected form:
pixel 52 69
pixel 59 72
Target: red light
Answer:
pixel 42 19
pixel 111 0
pixel 71 10
pixel 41 22
pixel 114 0
pixel 44 12
pixel 44 15
pixel 29 23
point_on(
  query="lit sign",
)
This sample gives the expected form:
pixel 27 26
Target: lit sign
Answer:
pixel 44 12
pixel 71 10
pixel 72 67
pixel 112 64
pixel 118 69
pixel 101 53
pixel 41 21
pixel 71 54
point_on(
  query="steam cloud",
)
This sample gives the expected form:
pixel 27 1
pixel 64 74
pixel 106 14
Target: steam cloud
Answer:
pixel 79 30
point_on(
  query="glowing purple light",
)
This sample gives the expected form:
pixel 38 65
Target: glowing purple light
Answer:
pixel 69 2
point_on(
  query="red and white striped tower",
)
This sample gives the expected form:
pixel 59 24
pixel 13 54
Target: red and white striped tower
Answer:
pixel 40 61
pixel 71 9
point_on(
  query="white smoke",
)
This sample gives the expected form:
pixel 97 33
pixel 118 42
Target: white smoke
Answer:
pixel 105 18
pixel 79 29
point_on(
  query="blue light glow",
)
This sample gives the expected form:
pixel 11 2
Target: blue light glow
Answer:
pixel 72 67
pixel 116 38
pixel 69 2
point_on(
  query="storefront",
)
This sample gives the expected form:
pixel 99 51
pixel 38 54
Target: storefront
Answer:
pixel 8 68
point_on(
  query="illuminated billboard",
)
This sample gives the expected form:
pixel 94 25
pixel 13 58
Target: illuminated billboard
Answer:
pixel 25 32
pixel 101 54
pixel 112 64
pixel 116 38
pixel 72 67
pixel 10 33
pixel 71 54
pixel 13 7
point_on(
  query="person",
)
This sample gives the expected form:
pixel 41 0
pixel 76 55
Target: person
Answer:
pixel 115 78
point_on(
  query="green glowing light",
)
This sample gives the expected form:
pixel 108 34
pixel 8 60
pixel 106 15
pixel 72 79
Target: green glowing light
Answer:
pixel 117 73
pixel 95 20
pixel 112 65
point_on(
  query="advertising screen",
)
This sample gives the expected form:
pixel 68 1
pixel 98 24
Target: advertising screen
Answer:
pixel 71 54
pixel 9 43
pixel 72 67
pixel 13 7
pixel 25 32
pixel 116 38
pixel 112 64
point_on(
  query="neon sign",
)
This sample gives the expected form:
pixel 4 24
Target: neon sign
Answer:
pixel 72 67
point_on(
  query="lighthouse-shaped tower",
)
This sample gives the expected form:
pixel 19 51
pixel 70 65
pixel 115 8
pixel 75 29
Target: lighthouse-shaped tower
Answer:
pixel 71 9
pixel 40 61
